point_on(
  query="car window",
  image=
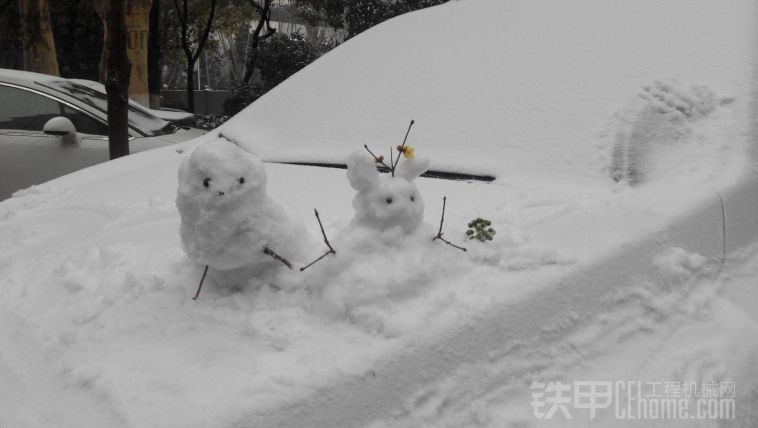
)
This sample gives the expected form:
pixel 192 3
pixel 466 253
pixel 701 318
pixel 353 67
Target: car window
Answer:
pixel 30 111
pixel 84 123
pixel 26 110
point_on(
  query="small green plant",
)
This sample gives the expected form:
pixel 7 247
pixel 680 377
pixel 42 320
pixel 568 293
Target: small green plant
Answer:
pixel 480 229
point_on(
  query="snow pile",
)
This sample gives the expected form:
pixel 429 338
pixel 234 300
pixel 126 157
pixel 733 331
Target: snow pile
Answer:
pixel 391 283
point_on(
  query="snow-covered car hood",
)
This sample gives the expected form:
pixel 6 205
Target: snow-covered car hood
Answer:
pixel 519 95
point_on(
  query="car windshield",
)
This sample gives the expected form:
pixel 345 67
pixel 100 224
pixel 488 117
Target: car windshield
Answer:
pixel 139 119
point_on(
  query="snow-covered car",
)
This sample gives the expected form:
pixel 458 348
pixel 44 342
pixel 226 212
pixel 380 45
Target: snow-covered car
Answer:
pixel 50 126
pixel 178 117
pixel 610 145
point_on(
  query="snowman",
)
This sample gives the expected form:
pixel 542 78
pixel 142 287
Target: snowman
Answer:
pixel 385 201
pixel 228 221
pixel 392 201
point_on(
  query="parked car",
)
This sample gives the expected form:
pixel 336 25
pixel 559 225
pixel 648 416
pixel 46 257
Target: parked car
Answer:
pixel 50 126
pixel 178 117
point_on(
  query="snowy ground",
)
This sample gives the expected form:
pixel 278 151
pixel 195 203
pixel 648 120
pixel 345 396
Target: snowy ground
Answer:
pixel 695 326
pixel 587 278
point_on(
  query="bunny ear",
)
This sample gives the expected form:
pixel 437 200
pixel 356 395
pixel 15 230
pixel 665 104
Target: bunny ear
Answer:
pixel 361 171
pixel 411 168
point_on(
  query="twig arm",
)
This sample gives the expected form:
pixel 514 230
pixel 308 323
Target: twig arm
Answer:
pixel 442 217
pixel 269 252
pixel 442 221
pixel 449 243
pixel 326 241
pixel 317 260
pixel 200 286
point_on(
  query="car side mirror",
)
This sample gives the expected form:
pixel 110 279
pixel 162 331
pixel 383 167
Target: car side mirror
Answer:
pixel 62 127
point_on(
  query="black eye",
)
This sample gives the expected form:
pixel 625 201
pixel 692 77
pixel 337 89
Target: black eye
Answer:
pixel 242 180
pixel 413 199
pixel 207 182
pixel 389 200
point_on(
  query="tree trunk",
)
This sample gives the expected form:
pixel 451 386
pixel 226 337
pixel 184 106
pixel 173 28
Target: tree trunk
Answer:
pixel 193 55
pixel 264 18
pixel 37 36
pixel 138 28
pixel 99 9
pixel 154 72
pixel 190 86
pixel 118 71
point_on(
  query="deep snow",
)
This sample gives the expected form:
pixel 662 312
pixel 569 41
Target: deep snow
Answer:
pixel 688 329
pixel 98 328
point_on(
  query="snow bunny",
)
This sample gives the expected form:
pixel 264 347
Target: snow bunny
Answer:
pixel 387 200
pixel 228 220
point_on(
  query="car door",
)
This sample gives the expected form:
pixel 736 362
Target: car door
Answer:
pixel 28 156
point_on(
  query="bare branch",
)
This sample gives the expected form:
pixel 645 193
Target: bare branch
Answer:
pixel 392 162
pixel 326 241
pixel 264 13
pixel 182 16
pixel 401 148
pixel 315 261
pixel 442 220
pixel 206 31
pixel 379 160
pixel 269 252
pixel 255 6
pixel 200 286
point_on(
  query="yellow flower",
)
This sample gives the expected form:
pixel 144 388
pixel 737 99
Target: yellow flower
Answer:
pixel 408 152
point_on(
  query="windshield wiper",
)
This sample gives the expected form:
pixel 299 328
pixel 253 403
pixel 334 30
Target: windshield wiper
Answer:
pixel 168 128
pixel 444 175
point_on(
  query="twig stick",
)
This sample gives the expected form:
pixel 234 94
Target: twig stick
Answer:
pixel 402 146
pixel 392 162
pixel 316 261
pixel 442 220
pixel 723 232
pixel 235 142
pixel 326 241
pixel 200 286
pixel 269 252
pixel 377 159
